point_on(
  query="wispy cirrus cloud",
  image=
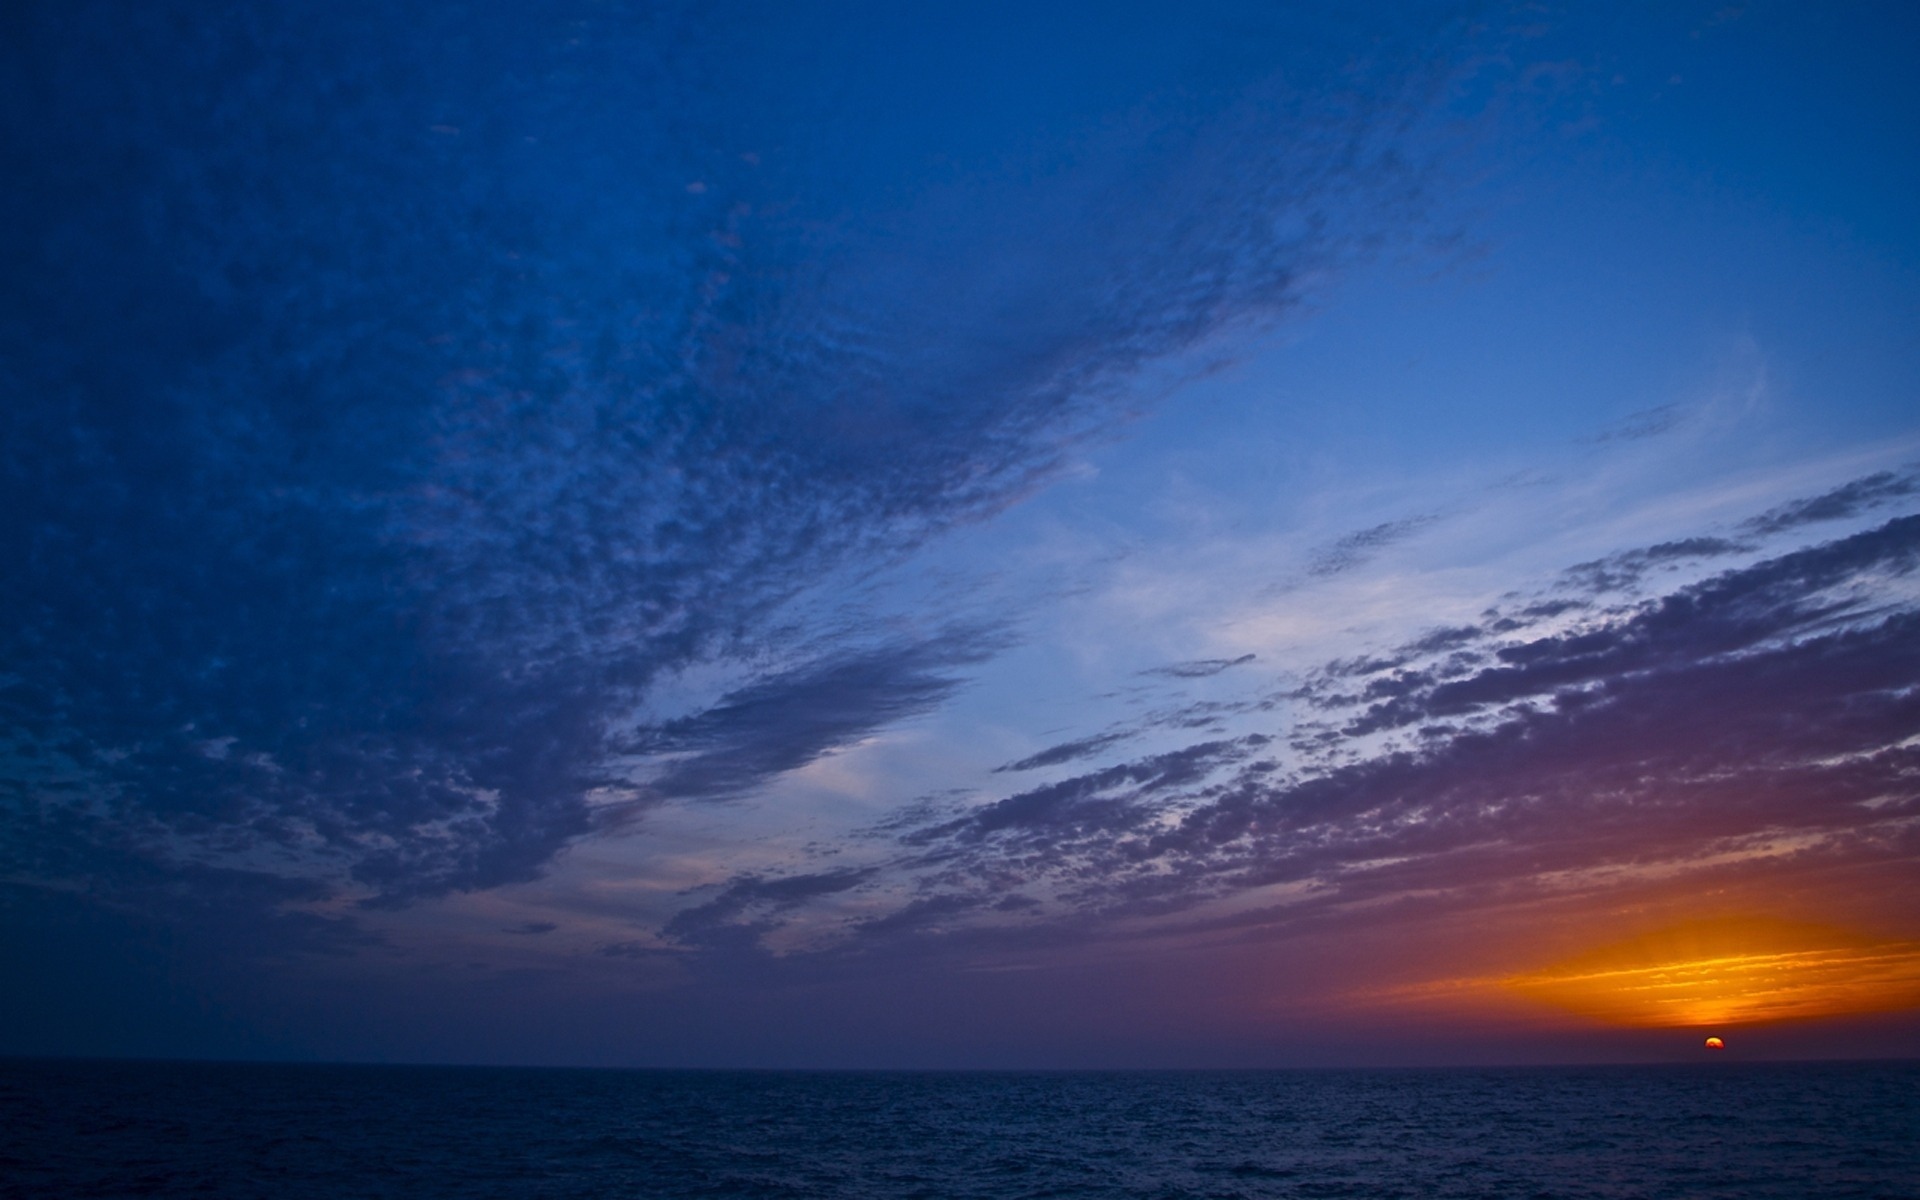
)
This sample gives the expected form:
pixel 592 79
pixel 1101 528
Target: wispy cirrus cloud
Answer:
pixel 1358 547
pixel 1200 668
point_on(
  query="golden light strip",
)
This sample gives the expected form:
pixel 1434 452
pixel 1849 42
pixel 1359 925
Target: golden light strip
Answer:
pixel 1730 971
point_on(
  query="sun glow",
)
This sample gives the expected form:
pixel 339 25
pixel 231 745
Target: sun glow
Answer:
pixel 1732 970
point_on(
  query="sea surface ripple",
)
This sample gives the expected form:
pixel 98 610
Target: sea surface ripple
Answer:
pixel 1804 1131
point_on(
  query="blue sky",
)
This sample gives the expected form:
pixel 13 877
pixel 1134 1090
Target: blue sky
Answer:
pixel 1044 535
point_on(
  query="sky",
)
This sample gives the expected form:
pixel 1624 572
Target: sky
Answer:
pixel 1041 535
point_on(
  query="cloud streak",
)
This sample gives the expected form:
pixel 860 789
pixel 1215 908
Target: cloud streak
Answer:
pixel 784 722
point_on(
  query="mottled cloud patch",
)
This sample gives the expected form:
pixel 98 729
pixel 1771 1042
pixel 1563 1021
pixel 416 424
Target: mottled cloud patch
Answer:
pixel 398 399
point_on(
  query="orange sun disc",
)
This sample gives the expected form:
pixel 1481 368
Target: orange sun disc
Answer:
pixel 1716 1044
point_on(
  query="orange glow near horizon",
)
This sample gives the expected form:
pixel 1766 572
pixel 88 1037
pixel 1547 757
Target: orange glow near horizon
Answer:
pixel 1730 971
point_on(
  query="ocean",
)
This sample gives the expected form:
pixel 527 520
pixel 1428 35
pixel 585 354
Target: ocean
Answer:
pixel 1802 1131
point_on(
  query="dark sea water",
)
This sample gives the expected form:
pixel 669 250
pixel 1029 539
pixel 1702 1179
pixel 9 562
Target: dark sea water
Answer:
pixel 1713 1130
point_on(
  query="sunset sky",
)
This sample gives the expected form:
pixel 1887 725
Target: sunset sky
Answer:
pixel 1044 534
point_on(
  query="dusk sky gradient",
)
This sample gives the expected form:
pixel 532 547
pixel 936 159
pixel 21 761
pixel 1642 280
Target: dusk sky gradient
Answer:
pixel 1219 534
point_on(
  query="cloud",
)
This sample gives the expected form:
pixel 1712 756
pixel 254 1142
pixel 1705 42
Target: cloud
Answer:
pixel 1647 423
pixel 1359 547
pixel 389 417
pixel 1053 756
pixel 1199 668
pixel 1618 572
pixel 1848 500
pixel 1669 724
pixel 1773 703
pixel 1737 612
pixel 786 721
pixel 746 907
pixel 630 950
pixel 1102 800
